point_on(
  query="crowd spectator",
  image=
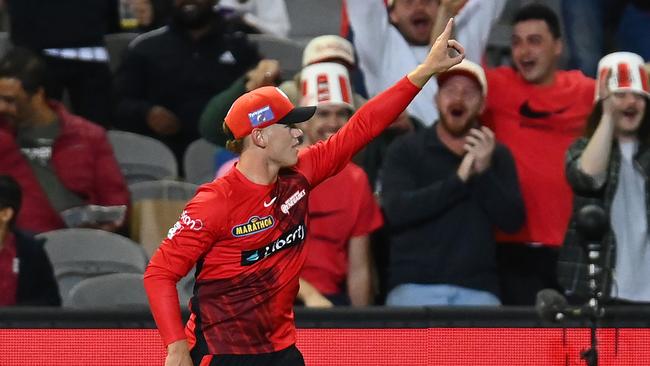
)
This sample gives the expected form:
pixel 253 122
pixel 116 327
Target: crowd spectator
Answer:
pixel 26 275
pixel 343 211
pixel 327 48
pixel 259 16
pixel 169 74
pixel 70 37
pixel 391 42
pixel 445 189
pixel 60 160
pixel 610 166
pixel 537 111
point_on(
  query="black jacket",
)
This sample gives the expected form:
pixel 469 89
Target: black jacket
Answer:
pixel 39 24
pixel 166 67
pixel 36 283
pixel 442 228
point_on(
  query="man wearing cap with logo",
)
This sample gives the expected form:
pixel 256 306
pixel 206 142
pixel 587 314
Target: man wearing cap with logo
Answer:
pixel 343 210
pixel 445 189
pixel 247 279
pixel 610 166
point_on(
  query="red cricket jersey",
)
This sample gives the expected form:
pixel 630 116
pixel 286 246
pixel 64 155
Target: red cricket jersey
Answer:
pixel 342 207
pixel 247 241
pixel 538 123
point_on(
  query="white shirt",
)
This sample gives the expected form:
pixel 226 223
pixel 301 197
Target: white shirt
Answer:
pixel 630 226
pixel 385 56
pixel 269 16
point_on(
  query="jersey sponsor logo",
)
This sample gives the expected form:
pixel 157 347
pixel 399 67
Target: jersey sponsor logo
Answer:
pixel 254 225
pixel 291 201
pixel 261 115
pixel 527 111
pixel 185 221
pixel 292 237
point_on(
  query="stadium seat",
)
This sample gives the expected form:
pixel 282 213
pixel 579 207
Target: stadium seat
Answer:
pixel 77 254
pixel 117 290
pixel 142 158
pixel 286 51
pixel 156 207
pixel 199 161
pixel 5 43
pixel 116 45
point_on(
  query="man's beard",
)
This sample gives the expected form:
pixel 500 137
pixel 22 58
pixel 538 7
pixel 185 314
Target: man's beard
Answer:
pixel 457 130
pixel 192 17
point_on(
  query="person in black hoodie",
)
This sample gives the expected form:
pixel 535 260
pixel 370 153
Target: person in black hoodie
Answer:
pixel 26 275
pixel 169 74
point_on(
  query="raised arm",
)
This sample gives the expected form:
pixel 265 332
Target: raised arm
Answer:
pixel 325 159
pixel 370 26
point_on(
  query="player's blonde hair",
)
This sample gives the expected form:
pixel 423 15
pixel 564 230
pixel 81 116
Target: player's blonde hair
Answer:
pixel 232 144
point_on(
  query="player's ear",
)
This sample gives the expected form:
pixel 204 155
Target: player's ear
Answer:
pixel 258 137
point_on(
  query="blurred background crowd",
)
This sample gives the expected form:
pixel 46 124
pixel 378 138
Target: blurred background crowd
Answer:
pixel 111 116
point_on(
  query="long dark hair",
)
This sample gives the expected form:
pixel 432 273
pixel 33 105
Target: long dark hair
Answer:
pixel 597 112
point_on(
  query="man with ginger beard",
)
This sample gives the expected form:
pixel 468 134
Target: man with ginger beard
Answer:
pixel 445 189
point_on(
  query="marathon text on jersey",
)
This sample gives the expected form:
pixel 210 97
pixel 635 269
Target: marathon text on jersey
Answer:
pixel 294 236
pixel 254 225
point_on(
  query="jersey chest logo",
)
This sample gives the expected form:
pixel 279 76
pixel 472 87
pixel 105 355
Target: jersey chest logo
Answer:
pixel 290 238
pixel 254 225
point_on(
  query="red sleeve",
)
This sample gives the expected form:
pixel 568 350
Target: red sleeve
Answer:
pixel 369 216
pixel 325 159
pixel 109 182
pixel 191 237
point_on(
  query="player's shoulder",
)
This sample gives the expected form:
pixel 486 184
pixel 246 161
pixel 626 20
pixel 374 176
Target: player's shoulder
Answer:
pixel 213 195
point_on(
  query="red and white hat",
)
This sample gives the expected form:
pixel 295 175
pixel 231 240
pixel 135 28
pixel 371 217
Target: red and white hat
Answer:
pixel 627 73
pixel 325 83
pixel 261 108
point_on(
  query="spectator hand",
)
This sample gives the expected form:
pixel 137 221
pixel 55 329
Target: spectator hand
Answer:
pixel 466 167
pixel 162 121
pixel 265 74
pixel 606 96
pixel 480 143
pixel 439 58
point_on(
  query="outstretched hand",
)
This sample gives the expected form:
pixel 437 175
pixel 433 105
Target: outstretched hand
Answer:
pixel 605 94
pixel 444 54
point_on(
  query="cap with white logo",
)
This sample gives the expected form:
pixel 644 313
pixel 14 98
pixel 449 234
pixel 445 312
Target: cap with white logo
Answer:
pixel 627 73
pixel 261 108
